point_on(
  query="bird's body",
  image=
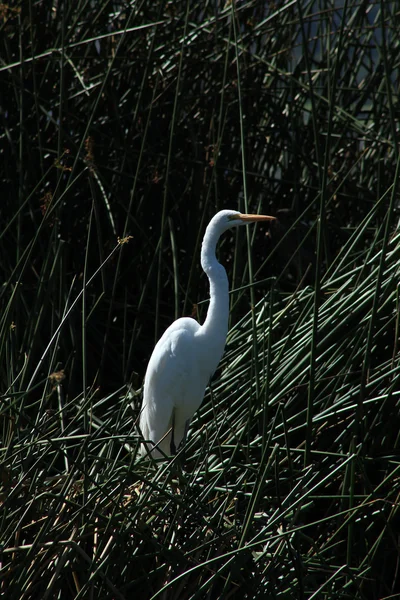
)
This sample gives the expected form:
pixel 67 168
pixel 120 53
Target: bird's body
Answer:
pixel 178 372
pixel 187 355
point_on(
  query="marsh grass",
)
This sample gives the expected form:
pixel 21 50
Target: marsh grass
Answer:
pixel 125 127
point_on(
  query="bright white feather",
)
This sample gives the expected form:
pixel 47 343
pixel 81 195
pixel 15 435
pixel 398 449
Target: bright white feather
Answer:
pixel 187 355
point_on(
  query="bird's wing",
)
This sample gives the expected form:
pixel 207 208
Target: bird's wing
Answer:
pixel 169 379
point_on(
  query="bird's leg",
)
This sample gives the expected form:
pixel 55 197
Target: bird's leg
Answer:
pixel 172 445
pixel 183 442
pixel 186 430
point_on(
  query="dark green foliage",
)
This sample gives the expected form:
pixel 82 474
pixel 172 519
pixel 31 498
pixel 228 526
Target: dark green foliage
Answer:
pixel 124 128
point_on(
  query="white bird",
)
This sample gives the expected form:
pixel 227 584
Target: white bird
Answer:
pixel 188 353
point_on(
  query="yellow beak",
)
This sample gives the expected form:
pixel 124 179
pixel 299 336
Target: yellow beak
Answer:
pixel 253 218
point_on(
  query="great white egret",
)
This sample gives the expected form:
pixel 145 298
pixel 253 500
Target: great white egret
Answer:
pixel 187 355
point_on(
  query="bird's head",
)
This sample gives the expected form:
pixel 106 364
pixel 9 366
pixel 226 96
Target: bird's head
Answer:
pixel 226 219
pixel 222 221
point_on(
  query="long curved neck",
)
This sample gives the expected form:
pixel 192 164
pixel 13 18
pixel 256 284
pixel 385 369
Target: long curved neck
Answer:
pixel 216 323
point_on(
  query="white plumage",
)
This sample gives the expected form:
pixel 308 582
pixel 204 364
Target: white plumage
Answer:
pixel 187 354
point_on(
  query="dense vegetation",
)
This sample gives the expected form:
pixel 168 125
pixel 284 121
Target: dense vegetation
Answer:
pixel 124 127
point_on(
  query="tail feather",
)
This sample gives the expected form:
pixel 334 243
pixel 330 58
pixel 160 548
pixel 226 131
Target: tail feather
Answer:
pixel 154 435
